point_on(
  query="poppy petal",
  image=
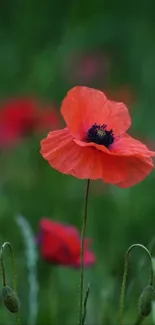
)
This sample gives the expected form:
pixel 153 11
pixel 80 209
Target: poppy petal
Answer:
pixel 60 150
pixel 72 231
pixel 85 106
pixel 131 170
pixel 66 234
pixel 66 156
pixel 93 144
pixel 56 246
pixel 89 259
pixel 50 245
pixel 128 146
pixel 136 171
pixel 124 145
pixel 60 244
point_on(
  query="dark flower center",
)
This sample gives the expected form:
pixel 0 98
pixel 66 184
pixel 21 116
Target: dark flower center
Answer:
pixel 98 134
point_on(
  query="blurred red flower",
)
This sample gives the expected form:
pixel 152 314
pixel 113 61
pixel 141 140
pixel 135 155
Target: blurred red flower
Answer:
pixel 95 144
pixel 60 244
pixel 21 116
pixel 48 118
pixel 87 67
pixel 124 94
pixel 17 116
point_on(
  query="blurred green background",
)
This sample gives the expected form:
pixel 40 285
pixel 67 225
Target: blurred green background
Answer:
pixel 46 48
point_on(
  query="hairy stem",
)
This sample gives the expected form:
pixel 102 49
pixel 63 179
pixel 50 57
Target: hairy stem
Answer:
pixel 83 232
pixel 123 288
pixel 85 305
pixel 3 267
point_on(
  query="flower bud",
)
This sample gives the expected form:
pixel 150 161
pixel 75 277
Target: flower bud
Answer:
pixel 10 299
pixel 145 300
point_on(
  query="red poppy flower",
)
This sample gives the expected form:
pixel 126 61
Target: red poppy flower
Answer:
pixel 95 145
pixel 60 244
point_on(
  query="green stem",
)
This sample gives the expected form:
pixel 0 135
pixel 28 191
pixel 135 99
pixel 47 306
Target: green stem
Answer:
pixel 123 288
pixel 84 223
pixel 85 305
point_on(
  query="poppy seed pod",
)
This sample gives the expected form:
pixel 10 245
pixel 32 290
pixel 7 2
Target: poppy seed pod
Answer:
pixel 145 300
pixel 10 299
